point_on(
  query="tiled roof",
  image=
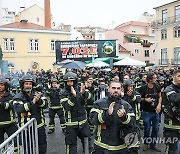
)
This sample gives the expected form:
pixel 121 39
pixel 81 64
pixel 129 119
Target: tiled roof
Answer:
pixel 133 23
pixel 23 25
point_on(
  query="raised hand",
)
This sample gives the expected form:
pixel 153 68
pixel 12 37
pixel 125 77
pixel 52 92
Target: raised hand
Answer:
pixel 83 88
pixel 111 108
pixel 121 112
pixel 73 91
pixel 37 96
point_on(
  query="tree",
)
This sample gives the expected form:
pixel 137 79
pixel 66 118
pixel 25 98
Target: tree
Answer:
pixel 1 54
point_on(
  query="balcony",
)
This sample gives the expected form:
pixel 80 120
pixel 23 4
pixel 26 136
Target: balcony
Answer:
pixel 175 61
pixel 146 44
pixel 166 21
pixel 163 61
pixel 167 62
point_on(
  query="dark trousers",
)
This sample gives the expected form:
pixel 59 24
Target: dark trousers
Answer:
pixel 52 113
pixel 71 137
pixel 148 119
pixel 9 130
pixel 42 140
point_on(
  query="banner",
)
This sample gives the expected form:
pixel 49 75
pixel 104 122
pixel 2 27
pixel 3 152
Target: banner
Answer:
pixel 85 49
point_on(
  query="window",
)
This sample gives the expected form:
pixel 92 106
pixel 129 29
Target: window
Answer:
pixel 37 19
pixel 146 53
pixel 153 31
pixel 53 45
pixel 177 55
pixel 163 34
pixel 147 62
pixel 164 60
pixel 8 44
pixel 34 44
pixel 100 36
pixel 164 16
pixel 177 31
pixel 136 51
pixel 145 41
pixel 177 13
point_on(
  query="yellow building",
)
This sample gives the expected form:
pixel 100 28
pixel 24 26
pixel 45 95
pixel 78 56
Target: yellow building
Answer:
pixel 168 34
pixel 29 46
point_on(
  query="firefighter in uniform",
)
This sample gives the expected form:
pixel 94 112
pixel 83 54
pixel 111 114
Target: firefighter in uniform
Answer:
pixel 171 108
pixel 29 104
pixel 134 99
pixel 55 106
pixel 73 101
pixel 112 117
pixel 7 116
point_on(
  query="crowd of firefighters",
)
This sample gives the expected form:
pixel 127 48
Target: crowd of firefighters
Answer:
pixel 111 109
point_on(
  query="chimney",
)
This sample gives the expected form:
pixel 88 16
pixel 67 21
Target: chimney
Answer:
pixel 47 15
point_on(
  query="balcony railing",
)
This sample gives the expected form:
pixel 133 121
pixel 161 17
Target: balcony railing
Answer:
pixel 175 61
pixel 166 21
pixel 146 44
pixel 169 61
pixel 163 61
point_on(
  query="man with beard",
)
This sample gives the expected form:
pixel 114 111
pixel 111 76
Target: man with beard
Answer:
pixel 151 106
pixel 73 101
pixel 7 116
pixel 29 104
pixel 112 116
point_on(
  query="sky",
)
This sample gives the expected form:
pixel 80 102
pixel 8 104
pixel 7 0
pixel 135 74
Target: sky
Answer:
pixel 103 13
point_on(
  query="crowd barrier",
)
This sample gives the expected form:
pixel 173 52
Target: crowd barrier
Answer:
pixel 23 141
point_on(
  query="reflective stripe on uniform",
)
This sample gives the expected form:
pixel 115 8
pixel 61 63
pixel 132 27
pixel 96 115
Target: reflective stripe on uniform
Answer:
pixel 52 126
pixel 26 107
pixel 56 107
pixel 41 124
pixel 127 120
pixel 100 112
pixel 68 101
pixel 63 125
pixel 43 104
pixel 99 133
pixel 7 106
pixel 75 123
pixel 7 122
pixel 110 147
pixel 89 95
pixel 134 98
pixel 69 116
pixel 169 93
pixel 67 149
pixel 171 126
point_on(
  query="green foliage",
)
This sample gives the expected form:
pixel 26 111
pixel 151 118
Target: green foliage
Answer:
pixel 1 54
pixel 138 40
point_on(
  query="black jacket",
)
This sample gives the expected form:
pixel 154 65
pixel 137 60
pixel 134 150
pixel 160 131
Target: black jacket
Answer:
pixel 109 128
pixel 26 109
pixel 171 105
pixel 7 115
pixel 74 107
pixel 54 96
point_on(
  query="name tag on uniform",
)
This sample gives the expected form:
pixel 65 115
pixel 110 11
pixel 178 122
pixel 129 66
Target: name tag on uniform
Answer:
pixel 103 126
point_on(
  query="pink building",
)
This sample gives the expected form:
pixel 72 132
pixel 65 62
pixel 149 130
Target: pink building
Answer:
pixel 137 38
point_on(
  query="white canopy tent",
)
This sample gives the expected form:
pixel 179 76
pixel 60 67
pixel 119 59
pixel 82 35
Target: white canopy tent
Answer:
pixel 97 64
pixel 129 62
